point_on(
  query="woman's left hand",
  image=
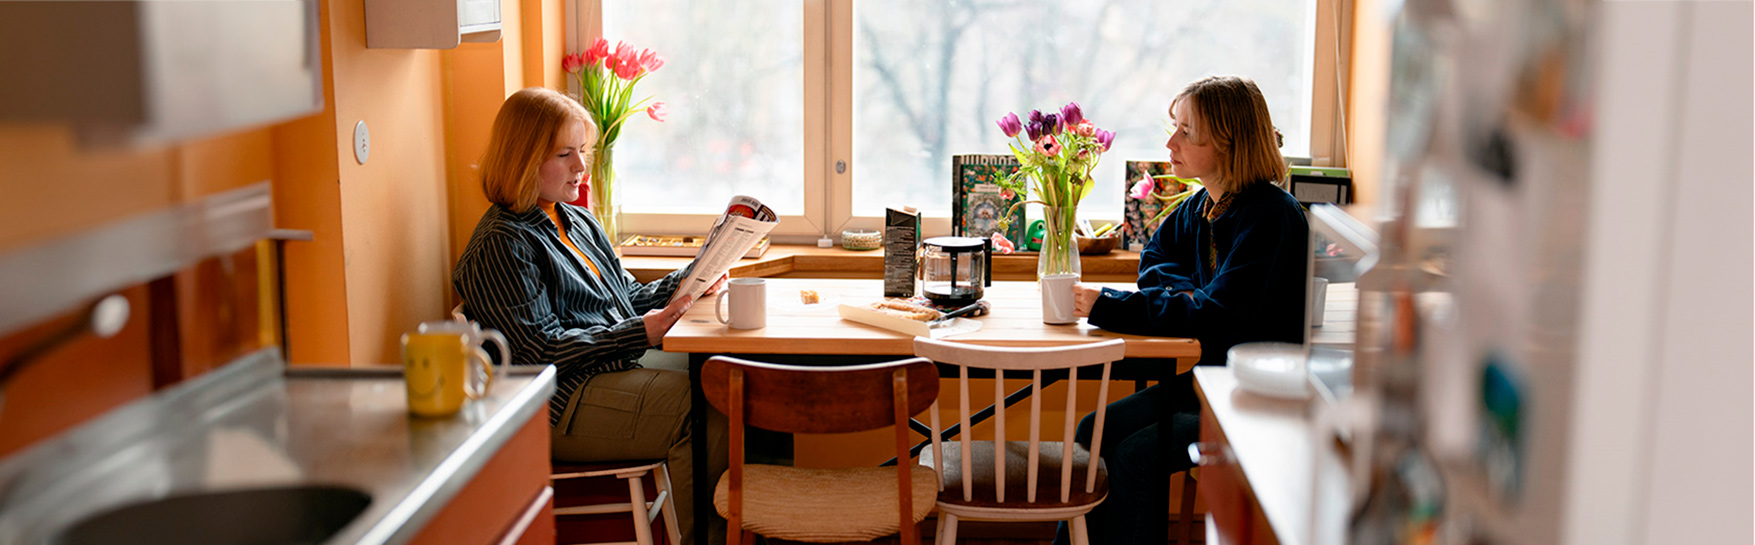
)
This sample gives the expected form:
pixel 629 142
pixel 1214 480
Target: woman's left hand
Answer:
pixel 1084 297
pixel 717 286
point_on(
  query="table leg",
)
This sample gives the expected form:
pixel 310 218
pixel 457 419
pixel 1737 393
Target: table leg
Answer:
pixel 703 484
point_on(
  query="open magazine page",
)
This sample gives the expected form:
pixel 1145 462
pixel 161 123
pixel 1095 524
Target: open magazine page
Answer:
pixel 745 222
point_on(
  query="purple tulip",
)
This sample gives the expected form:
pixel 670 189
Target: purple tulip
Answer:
pixel 1105 138
pixel 1010 124
pixel 1035 116
pixel 1070 114
pixel 1033 129
pixel 1051 124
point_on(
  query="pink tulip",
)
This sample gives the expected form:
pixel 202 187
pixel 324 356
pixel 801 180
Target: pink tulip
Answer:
pixel 1047 145
pixel 1085 129
pixel 658 111
pixel 572 63
pixel 650 60
pixel 1002 245
pixel 599 51
pixel 627 64
pixel 1141 189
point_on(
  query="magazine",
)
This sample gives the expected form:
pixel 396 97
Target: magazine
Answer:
pixel 745 222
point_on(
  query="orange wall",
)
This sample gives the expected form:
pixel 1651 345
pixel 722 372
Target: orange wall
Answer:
pixel 389 230
pixel 393 208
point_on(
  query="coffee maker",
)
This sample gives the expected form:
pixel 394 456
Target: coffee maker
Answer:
pixel 955 270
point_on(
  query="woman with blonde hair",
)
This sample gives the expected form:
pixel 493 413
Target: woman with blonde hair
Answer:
pixel 543 272
pixel 1226 267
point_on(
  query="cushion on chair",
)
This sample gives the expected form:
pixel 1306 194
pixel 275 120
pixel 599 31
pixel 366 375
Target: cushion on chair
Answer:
pixel 1017 475
pixel 824 505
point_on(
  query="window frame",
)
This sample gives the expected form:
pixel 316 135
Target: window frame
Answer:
pixel 828 125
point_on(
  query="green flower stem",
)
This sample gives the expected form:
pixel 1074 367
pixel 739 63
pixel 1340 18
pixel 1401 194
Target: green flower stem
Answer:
pixel 1060 253
pixel 603 204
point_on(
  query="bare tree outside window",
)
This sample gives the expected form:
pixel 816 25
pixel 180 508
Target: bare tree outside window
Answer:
pixel 734 82
pixel 932 76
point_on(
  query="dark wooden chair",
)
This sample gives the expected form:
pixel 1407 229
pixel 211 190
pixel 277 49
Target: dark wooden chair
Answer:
pixel 1031 480
pixel 822 505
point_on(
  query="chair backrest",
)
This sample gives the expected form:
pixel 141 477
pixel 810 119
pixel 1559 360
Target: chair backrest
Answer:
pixel 798 399
pixel 1034 359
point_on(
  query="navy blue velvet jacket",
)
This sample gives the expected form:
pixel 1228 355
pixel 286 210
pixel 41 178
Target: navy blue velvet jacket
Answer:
pixel 1255 291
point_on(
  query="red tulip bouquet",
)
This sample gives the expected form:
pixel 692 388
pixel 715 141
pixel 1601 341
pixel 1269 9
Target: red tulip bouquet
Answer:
pixel 606 88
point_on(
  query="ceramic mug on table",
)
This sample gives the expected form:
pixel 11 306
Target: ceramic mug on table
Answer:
pixel 1058 305
pixel 748 299
pixel 477 335
pixel 437 367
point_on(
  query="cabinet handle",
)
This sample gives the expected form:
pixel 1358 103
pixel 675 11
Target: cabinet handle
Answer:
pixel 1208 454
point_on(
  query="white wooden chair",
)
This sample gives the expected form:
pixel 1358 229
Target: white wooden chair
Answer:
pixel 981 480
pixel 642 511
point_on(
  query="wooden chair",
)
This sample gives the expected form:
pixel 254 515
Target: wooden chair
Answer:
pixel 642 511
pixel 822 505
pixel 991 473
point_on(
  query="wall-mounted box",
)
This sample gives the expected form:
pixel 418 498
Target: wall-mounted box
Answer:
pixel 132 72
pixel 431 24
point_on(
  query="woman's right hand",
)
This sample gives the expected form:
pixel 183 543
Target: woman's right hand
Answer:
pixel 658 321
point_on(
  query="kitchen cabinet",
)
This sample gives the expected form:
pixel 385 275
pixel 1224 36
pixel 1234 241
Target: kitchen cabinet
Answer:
pixel 132 73
pixel 479 476
pixel 425 24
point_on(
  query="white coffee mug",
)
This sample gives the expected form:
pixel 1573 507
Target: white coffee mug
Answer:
pixel 748 299
pixel 1058 304
pixel 476 334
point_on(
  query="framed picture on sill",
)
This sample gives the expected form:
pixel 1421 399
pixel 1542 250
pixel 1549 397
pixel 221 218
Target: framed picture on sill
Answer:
pixel 1137 226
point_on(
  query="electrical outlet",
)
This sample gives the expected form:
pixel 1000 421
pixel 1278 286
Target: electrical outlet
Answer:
pixel 362 142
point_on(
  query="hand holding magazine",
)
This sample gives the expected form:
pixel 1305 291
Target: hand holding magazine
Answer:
pixel 742 226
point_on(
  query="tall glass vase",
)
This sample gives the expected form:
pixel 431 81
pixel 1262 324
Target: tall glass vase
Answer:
pixel 603 205
pixel 1057 266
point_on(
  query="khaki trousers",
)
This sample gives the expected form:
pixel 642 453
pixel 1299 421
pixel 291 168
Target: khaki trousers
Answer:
pixel 643 414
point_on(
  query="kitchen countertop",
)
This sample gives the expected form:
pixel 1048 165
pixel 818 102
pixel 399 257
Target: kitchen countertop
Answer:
pixel 255 424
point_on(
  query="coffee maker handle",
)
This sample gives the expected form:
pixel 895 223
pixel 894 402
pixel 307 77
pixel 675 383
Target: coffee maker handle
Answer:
pixel 987 250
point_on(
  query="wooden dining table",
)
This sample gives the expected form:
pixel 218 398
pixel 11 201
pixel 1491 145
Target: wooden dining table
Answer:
pixel 814 334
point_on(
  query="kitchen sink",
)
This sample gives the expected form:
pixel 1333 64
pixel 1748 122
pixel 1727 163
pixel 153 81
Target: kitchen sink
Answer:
pixel 287 515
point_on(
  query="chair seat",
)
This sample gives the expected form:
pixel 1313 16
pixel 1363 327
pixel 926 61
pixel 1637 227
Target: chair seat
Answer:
pixel 824 505
pixel 1017 476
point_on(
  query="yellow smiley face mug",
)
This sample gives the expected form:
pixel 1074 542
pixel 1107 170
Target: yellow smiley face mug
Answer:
pixel 437 366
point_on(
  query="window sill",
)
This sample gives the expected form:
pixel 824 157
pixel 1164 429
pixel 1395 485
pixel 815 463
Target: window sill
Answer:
pixel 798 261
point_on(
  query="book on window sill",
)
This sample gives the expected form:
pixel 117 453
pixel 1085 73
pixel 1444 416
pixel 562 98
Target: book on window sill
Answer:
pixel 978 203
pixel 677 246
pixel 744 226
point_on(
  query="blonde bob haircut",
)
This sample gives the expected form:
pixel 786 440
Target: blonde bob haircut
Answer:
pixel 522 138
pixel 1232 114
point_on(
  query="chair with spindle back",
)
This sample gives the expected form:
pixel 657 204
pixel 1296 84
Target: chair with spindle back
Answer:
pixel 1060 480
pixel 822 505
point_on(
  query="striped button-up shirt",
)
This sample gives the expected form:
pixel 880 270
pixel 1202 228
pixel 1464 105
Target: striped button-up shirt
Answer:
pixel 516 276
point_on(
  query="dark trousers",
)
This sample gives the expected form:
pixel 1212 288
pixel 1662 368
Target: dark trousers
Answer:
pixel 1139 499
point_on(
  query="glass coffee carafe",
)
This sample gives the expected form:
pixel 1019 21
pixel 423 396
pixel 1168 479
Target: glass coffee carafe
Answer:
pixel 955 270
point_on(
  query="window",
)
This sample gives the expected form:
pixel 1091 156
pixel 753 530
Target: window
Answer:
pixel 766 96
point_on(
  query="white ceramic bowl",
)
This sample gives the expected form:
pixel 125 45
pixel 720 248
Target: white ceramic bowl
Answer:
pixel 1271 369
